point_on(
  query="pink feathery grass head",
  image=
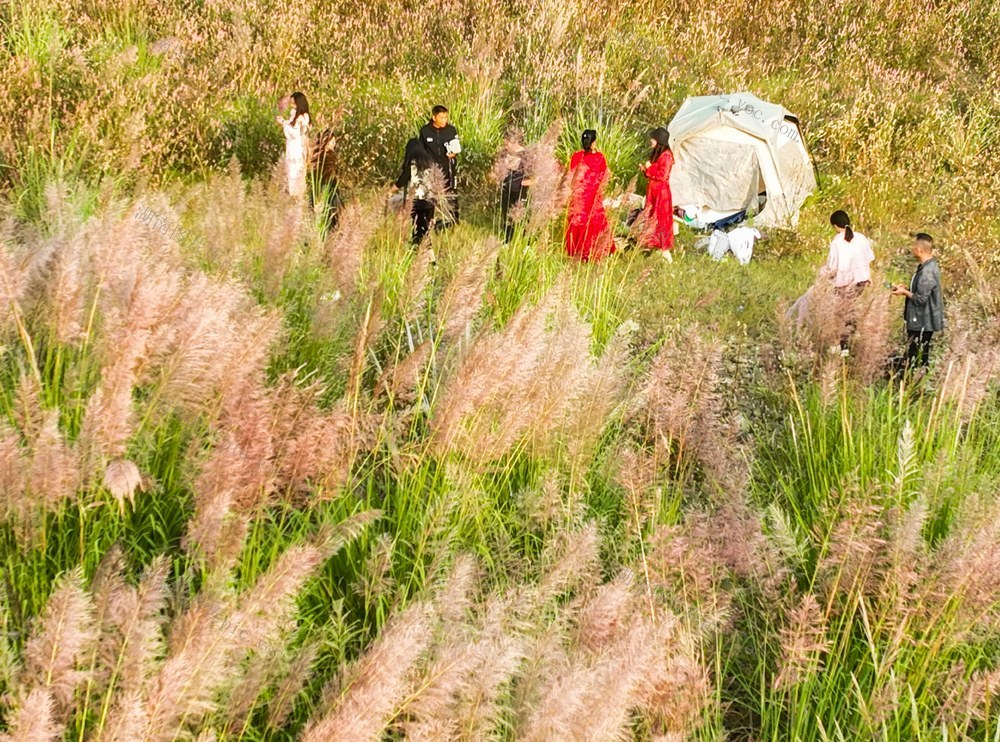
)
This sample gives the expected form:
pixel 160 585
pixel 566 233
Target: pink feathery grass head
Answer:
pixel 32 719
pixel 346 247
pixel 463 296
pixel 548 192
pixel 54 472
pixel 378 683
pixel 122 478
pixel 56 653
pixel 803 642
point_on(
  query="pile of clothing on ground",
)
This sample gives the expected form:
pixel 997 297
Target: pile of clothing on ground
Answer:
pixel 702 217
pixel 738 241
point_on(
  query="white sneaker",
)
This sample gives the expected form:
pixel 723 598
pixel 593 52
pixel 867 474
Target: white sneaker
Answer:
pixel 667 256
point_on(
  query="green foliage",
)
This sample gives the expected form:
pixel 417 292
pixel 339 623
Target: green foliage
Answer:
pixel 900 113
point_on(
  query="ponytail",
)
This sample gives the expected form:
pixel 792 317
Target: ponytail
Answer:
pixel 842 220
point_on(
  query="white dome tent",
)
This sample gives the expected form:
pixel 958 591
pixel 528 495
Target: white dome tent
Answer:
pixel 729 149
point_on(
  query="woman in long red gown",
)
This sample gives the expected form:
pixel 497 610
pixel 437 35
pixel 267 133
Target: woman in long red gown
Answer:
pixel 588 234
pixel 658 216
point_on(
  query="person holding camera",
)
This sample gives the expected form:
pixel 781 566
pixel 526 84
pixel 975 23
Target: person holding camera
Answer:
pixel 923 311
pixel 440 139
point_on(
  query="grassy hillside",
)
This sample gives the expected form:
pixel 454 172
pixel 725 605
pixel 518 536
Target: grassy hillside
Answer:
pixel 264 480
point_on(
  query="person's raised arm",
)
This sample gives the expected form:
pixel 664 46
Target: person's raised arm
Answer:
pixel 657 170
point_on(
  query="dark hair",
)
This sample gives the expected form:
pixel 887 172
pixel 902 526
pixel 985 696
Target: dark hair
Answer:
pixel 925 238
pixel 662 138
pixel 417 153
pixel 841 219
pixel 438 109
pixel 301 105
pixel 587 139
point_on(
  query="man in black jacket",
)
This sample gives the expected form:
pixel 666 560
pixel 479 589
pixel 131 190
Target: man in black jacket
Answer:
pixel 441 140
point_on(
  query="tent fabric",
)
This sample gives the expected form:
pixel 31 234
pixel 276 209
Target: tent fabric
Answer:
pixel 729 148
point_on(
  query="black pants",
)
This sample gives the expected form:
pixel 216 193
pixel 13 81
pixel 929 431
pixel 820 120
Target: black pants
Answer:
pixel 919 351
pixel 508 223
pixel 422 214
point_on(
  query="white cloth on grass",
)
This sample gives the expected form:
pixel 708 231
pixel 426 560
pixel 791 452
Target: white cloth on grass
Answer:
pixel 718 244
pixel 739 242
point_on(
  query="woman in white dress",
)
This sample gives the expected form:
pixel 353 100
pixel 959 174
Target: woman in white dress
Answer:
pixel 296 128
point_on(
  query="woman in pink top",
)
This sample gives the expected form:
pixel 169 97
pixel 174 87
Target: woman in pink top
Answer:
pixel 851 256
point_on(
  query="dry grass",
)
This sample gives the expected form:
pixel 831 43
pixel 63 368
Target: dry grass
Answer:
pixel 578 541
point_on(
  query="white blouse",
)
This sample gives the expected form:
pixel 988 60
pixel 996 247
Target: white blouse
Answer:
pixel 850 262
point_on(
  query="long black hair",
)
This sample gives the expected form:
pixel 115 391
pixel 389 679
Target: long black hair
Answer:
pixel 301 105
pixel 841 219
pixel 662 138
pixel 587 139
pixel 417 153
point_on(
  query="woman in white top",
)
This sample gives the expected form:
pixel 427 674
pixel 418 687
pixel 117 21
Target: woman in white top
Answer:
pixel 851 256
pixel 296 140
pixel 849 267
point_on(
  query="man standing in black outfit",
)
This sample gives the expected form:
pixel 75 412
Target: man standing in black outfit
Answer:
pixel 441 140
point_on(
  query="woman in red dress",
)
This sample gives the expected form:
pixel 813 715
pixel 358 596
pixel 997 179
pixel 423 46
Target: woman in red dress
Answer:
pixel 658 216
pixel 588 234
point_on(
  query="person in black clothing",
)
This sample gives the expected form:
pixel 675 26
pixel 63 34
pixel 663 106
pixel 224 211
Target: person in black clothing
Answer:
pixel 441 140
pixel 416 181
pixel 513 188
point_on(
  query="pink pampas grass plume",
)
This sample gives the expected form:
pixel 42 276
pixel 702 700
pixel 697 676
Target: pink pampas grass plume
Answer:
pixel 32 720
pixel 12 470
pixel 379 682
pixel 401 380
pixel 603 616
pixel 138 617
pixel 548 193
pixel 803 642
pixel 345 248
pixel 127 720
pixel 294 682
pixel 54 654
pixel 122 478
pixel 54 469
pixel 463 296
